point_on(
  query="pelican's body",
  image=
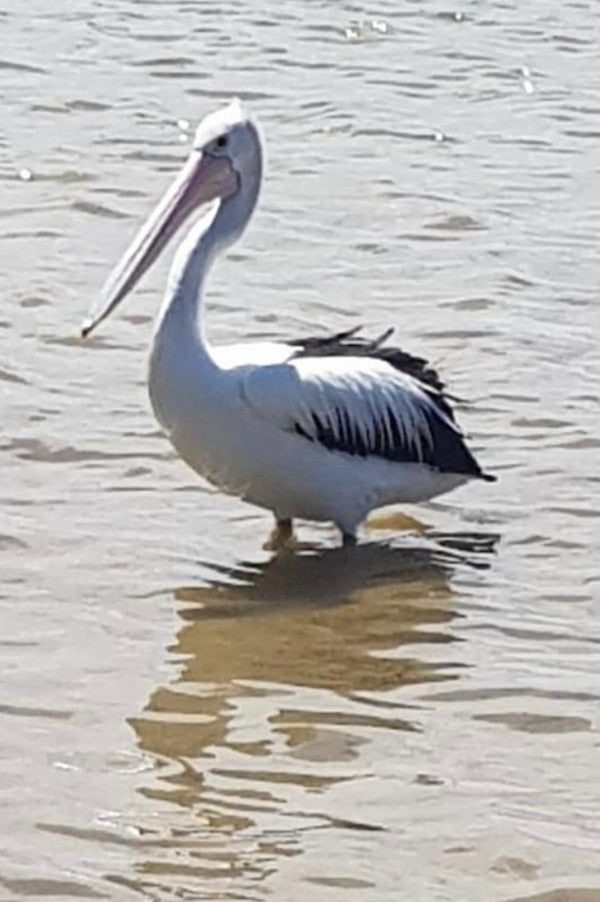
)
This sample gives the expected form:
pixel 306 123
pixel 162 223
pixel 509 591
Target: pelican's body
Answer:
pixel 227 440
pixel 318 429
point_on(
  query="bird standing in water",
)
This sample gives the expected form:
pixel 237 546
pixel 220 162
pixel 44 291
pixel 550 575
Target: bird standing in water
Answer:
pixel 322 429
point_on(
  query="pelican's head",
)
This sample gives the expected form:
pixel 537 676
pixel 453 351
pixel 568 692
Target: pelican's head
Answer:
pixel 225 164
pixel 230 134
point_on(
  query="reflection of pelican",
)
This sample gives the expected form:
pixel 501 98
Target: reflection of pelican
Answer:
pixel 324 429
pixel 313 620
pixel 286 671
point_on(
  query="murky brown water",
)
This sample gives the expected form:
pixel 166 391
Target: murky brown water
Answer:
pixel 182 716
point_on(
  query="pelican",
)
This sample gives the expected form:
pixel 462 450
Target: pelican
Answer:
pixel 323 429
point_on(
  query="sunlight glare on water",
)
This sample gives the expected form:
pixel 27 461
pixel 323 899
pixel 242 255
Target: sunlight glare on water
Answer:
pixel 185 716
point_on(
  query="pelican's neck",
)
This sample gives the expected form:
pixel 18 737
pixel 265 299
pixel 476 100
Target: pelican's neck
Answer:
pixel 180 319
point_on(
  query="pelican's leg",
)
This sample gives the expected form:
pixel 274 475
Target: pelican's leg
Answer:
pixel 281 537
pixel 348 539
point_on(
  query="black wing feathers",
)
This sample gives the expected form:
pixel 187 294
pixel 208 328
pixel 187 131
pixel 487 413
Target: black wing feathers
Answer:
pixel 348 344
pixel 438 444
pixel 446 451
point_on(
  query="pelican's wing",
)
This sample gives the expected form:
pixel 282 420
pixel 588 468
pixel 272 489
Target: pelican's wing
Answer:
pixel 350 344
pixel 359 406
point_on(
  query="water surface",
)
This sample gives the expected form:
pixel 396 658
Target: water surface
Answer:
pixel 184 716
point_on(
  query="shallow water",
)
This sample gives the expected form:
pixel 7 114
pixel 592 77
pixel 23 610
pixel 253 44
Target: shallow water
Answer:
pixel 184 716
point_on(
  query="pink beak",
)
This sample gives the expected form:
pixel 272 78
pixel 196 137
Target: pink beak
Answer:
pixel 203 179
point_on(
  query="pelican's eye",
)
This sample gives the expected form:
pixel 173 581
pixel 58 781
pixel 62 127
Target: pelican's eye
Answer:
pixel 222 141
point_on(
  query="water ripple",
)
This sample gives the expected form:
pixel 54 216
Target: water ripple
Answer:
pixel 312 724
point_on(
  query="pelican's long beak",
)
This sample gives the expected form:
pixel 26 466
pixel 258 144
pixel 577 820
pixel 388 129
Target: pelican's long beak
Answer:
pixel 203 179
